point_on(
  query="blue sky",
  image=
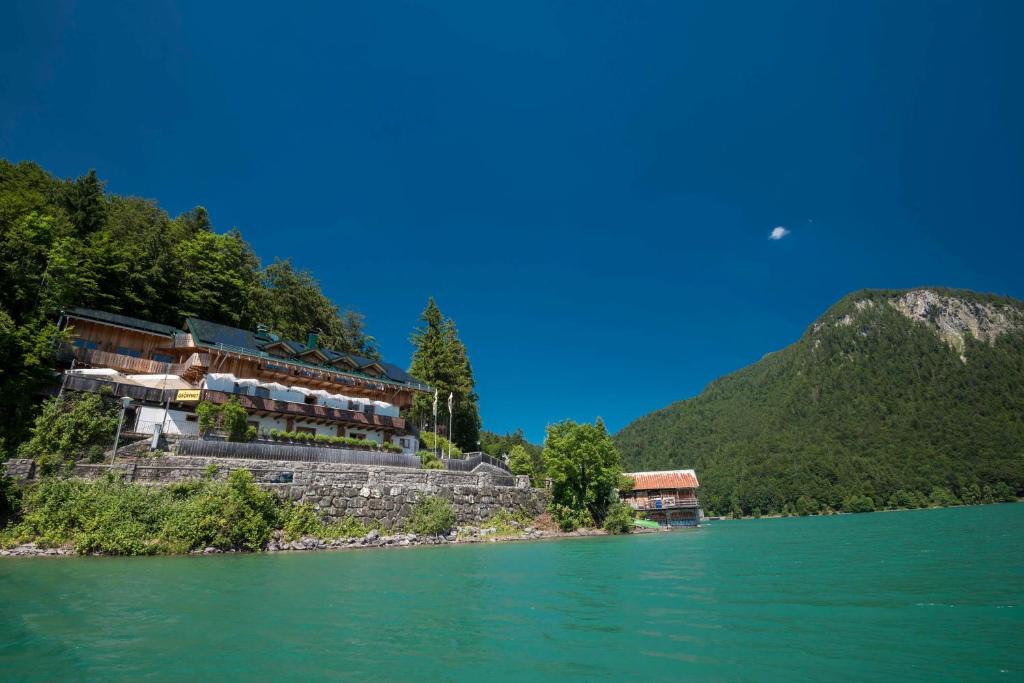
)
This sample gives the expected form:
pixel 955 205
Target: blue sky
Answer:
pixel 588 189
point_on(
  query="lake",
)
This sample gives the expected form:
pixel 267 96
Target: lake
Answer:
pixel 924 595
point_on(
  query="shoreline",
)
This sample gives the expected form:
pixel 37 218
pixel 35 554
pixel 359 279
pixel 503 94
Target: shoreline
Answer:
pixel 372 540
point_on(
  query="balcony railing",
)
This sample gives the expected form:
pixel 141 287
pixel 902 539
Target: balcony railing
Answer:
pixel 305 410
pixel 134 391
pixel 663 503
pixel 132 365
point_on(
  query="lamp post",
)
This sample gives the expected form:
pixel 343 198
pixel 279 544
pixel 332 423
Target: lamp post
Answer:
pixel 126 403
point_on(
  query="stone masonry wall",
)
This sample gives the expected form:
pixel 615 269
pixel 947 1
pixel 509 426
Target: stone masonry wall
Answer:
pixel 368 493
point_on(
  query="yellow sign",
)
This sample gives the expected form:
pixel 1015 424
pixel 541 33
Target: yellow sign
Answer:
pixel 187 395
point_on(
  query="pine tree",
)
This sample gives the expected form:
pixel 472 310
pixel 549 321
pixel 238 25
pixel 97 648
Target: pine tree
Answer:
pixel 441 360
pixel 85 204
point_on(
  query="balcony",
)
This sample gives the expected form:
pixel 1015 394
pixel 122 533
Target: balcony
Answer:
pixel 317 413
pixel 191 367
pixel 663 502
pixel 134 391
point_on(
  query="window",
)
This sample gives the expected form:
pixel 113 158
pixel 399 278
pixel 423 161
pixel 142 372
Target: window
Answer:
pixel 404 443
pixel 369 408
pixel 310 400
pixel 263 392
pixel 353 405
pixel 163 358
pixel 356 435
pixel 86 344
pixel 125 351
pixel 305 430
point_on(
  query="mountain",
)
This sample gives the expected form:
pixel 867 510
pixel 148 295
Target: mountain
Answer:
pixel 890 395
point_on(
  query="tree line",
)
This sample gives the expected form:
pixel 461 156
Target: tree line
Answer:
pixel 868 410
pixel 68 242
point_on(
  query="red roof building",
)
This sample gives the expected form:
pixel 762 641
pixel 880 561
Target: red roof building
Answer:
pixel 668 497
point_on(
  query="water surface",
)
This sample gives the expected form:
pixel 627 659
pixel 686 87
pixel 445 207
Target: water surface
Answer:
pixel 925 595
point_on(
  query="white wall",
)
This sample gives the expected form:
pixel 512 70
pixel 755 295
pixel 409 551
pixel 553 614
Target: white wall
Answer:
pixel 177 421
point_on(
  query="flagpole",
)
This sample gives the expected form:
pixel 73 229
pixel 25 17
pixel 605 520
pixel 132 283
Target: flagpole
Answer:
pixel 450 395
pixel 436 435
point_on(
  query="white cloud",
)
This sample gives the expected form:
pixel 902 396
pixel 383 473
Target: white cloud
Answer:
pixel 778 232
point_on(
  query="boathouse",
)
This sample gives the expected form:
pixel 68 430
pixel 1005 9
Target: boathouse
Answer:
pixel 668 497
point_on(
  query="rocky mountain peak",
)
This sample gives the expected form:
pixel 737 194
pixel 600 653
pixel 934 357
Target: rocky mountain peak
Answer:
pixel 954 317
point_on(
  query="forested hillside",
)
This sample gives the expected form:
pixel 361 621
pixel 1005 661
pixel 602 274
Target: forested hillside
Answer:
pixel 890 398
pixel 68 243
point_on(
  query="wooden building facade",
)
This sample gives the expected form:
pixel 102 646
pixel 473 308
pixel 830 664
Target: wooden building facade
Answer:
pixel 668 497
pixel 283 384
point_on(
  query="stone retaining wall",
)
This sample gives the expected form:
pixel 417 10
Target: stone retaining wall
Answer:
pixel 368 493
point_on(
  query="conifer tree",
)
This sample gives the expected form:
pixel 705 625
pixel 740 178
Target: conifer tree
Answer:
pixel 85 203
pixel 441 360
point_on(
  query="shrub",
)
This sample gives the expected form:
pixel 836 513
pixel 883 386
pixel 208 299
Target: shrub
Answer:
pixel 430 441
pixel 106 516
pixel 1002 493
pixel 429 461
pixel 943 497
pixel 68 426
pixel 568 519
pixel 432 516
pixel 229 417
pixel 232 514
pixel 507 522
pixel 858 504
pixel 807 506
pixel 10 499
pixel 619 519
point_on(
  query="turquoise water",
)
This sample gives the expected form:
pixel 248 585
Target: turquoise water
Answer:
pixel 926 595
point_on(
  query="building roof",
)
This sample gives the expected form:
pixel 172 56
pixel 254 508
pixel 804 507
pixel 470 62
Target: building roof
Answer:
pixel 216 335
pixel 122 321
pixel 664 479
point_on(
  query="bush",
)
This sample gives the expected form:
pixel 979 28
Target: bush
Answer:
pixel 619 519
pixel 10 499
pixel 943 497
pixel 68 427
pixel 508 523
pixel 568 519
pixel 430 441
pixel 807 506
pixel 432 516
pixel 229 417
pixel 1002 493
pixel 429 461
pixel 234 514
pixel 858 504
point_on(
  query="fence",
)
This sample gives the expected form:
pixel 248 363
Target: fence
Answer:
pixel 260 451
pixel 471 460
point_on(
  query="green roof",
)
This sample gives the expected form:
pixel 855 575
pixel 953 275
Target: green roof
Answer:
pixel 234 339
pixel 122 321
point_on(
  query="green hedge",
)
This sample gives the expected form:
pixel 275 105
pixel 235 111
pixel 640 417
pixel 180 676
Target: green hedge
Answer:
pixel 303 437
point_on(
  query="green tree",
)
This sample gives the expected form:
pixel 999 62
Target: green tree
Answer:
pixel 228 417
pixel 70 426
pixel 218 278
pixel 441 360
pixel 519 461
pixel 85 203
pixel 584 466
pixel 294 305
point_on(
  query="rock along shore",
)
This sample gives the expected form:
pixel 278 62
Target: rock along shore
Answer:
pixel 373 539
